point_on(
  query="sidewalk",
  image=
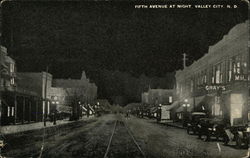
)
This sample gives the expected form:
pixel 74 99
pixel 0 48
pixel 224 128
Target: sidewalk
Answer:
pixel 10 129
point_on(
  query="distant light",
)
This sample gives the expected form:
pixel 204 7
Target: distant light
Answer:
pixel 186 100
pixel 184 105
pixel 53 102
pixel 98 103
pixel 188 105
pixel 57 102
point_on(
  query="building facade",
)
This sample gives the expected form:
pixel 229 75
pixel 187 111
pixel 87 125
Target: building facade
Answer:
pixel 38 83
pixel 218 83
pixel 73 95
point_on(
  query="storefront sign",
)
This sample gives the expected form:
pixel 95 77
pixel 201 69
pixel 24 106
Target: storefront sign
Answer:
pixel 215 87
pixel 240 78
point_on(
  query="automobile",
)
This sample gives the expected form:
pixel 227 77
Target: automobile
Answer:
pixel 211 127
pixel 193 122
pixel 239 133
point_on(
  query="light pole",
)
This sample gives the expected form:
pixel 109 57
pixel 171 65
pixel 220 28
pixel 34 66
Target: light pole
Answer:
pixel 185 106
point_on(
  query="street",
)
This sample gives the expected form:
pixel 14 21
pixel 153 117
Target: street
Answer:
pixel 90 138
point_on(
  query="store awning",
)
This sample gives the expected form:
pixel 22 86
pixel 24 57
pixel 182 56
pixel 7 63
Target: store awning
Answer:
pixel 153 109
pixel 175 104
pixel 84 108
pixel 64 109
pixel 180 109
pixel 91 108
pixel 204 103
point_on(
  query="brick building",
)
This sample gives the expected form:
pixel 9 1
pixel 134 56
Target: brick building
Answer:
pixel 218 83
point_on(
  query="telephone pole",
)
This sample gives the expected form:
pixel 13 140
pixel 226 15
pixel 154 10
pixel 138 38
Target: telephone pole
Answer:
pixel 45 97
pixel 184 60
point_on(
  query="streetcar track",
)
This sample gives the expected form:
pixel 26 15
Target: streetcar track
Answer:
pixel 130 135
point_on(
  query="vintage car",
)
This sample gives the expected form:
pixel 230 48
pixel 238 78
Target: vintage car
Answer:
pixel 211 127
pixel 192 124
pixel 240 134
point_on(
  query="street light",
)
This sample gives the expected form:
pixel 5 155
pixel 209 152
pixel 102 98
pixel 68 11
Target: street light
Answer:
pixel 185 105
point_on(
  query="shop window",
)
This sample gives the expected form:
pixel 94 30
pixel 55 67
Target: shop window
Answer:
pixel 216 109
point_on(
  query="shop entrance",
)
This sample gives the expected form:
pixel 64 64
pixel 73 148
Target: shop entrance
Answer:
pixel 236 108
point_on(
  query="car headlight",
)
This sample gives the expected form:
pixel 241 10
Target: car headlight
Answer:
pixel 210 129
pixel 214 129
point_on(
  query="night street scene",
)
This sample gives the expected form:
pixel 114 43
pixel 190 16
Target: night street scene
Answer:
pixel 124 79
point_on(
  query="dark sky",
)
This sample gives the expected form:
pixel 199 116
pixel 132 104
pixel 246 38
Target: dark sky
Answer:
pixel 92 36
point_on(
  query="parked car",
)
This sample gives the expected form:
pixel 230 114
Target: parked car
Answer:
pixel 211 127
pixel 240 134
pixel 192 124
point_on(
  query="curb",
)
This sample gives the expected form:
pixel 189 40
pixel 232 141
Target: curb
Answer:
pixel 171 125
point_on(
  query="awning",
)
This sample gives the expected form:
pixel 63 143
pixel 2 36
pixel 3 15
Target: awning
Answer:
pixel 204 103
pixel 180 109
pixel 84 108
pixel 169 107
pixel 64 109
pixel 198 100
pixel 153 109
pixel 91 108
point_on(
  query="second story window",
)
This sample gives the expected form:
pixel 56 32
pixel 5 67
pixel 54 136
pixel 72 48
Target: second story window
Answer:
pixel 218 74
pixel 230 70
pixel 191 86
pixel 12 67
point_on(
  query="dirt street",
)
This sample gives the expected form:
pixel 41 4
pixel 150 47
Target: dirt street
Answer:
pixel 90 139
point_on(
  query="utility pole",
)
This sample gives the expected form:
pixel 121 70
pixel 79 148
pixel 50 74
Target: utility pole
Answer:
pixel 45 96
pixel 184 60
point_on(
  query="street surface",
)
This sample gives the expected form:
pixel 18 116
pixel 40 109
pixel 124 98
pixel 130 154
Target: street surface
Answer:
pixel 90 138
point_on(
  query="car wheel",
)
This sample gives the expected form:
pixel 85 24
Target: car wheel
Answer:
pixel 226 140
pixel 238 142
pixel 207 137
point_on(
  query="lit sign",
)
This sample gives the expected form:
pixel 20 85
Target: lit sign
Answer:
pixel 239 78
pixel 215 88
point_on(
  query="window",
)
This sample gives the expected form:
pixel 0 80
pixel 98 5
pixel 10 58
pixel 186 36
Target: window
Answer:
pixel 212 74
pixel 170 99
pixel 12 67
pixel 218 74
pixel 239 66
pixel 12 81
pixel 12 111
pixel 230 70
pixel 8 114
pixel 191 86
